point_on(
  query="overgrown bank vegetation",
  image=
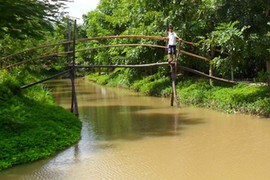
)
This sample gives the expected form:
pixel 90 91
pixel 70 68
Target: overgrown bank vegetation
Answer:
pixel 32 125
pixel 244 98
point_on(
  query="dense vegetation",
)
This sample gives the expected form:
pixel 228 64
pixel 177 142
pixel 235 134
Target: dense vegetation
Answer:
pixel 234 34
pixel 32 126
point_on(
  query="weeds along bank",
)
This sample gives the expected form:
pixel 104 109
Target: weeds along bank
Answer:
pixel 32 125
pixel 244 98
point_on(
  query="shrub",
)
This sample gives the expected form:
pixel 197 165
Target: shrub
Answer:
pixel 9 86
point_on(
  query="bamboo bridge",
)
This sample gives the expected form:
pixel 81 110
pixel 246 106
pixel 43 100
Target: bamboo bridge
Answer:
pixel 71 51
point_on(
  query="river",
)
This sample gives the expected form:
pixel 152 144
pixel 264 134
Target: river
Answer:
pixel 129 136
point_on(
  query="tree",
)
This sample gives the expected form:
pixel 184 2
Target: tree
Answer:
pixel 256 15
pixel 28 18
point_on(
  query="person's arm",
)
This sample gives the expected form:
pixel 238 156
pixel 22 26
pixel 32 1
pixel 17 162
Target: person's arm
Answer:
pixel 178 39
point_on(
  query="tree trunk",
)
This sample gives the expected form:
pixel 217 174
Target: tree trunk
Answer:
pixel 268 72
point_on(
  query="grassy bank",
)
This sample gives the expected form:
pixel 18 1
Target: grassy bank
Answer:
pixel 244 98
pixel 32 126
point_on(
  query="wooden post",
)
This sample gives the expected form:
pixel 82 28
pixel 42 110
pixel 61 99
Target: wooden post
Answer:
pixel 174 93
pixel 268 72
pixel 69 39
pixel 232 74
pixel 74 104
pixel 211 67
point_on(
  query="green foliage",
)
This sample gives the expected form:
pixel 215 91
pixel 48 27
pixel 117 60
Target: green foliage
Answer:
pixel 155 88
pixel 28 18
pixel 103 79
pixel 151 85
pixel 139 83
pixel 30 131
pixel 261 76
pixel 241 98
pixel 41 94
pixel 193 92
pixel 9 86
pixel 32 126
pixel 119 80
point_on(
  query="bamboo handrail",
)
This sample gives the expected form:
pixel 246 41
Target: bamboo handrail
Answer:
pixel 104 37
pixel 123 66
pixel 32 49
pixel 194 55
pixel 120 45
pixel 121 37
pixel 206 75
pixel 108 46
pixel 88 39
pixel 82 40
pixel 40 57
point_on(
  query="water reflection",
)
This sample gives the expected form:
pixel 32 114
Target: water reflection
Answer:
pixel 133 122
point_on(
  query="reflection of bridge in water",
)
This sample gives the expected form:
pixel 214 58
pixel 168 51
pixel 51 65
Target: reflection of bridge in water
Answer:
pixel 70 52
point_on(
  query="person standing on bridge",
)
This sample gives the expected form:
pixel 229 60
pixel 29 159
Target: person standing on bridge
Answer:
pixel 172 37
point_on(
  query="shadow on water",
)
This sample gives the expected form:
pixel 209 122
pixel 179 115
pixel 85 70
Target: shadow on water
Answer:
pixel 134 122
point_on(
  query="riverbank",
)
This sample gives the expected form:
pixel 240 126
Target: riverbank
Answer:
pixel 241 98
pixel 32 125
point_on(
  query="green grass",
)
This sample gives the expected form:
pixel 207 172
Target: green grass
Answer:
pixel 32 126
pixel 31 131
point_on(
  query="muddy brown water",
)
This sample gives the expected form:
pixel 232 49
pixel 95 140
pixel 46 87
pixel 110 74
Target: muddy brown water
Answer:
pixel 130 136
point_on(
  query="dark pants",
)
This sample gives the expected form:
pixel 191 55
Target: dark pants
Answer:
pixel 172 49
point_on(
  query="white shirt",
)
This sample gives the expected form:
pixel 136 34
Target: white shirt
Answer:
pixel 172 38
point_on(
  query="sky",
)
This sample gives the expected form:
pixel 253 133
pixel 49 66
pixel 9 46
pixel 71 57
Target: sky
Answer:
pixel 79 7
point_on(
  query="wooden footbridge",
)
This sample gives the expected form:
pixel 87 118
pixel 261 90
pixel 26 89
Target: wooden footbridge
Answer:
pixel 71 51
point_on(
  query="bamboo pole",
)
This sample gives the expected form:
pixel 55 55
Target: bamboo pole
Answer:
pixel 33 49
pixel 206 75
pixel 268 72
pixel 123 66
pixel 121 37
pixel 69 39
pixel 74 103
pixel 46 79
pixel 40 57
pixel 121 45
pixel 174 92
pixel 194 55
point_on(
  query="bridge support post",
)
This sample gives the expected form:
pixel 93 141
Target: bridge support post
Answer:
pixel 74 103
pixel 173 77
